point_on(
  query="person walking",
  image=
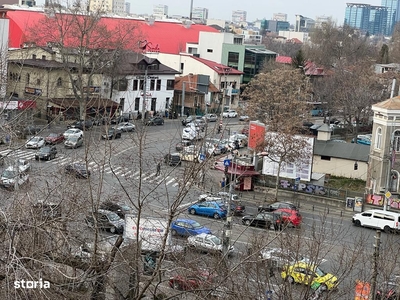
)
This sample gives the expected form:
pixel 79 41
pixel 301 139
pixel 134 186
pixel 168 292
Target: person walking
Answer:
pixel 158 169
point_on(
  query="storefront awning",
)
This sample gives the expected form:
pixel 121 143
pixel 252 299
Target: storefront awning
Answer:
pixel 234 171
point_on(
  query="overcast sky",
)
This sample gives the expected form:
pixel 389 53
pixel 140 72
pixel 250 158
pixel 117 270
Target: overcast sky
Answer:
pixel 260 9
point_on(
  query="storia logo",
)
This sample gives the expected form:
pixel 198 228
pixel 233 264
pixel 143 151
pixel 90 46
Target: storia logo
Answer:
pixel 30 284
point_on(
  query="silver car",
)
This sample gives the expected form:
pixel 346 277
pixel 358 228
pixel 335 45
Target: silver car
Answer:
pixel 73 142
pixel 208 243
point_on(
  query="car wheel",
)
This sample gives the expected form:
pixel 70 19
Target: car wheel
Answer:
pixel 386 229
pixel 247 222
pixel 357 223
pixel 192 211
pixel 174 232
pixel 113 229
pixel 216 216
pixel 290 279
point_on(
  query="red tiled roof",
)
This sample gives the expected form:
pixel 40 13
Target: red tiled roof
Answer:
pixel 219 68
pixel 294 41
pixel 283 59
pixel 169 37
pixel 311 69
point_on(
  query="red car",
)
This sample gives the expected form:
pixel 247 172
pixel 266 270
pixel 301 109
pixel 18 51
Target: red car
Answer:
pixel 54 138
pixel 193 281
pixel 289 216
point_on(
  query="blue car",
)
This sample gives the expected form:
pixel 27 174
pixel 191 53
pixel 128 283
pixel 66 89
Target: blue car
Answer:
pixel 187 227
pixel 214 209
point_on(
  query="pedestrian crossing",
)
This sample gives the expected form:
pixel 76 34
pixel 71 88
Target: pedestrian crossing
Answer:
pixel 96 168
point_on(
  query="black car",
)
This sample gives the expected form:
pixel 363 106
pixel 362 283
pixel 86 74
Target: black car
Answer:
pixel 155 121
pixel 172 159
pixel 46 152
pixel 261 220
pixel 77 169
pixel 82 124
pixel 112 133
pixel 120 209
pixel 277 205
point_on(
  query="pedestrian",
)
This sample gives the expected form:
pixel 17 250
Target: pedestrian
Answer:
pixel 158 169
pixel 187 114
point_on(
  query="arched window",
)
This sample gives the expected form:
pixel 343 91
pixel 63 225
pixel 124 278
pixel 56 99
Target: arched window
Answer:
pixel 396 141
pixel 28 78
pixel 378 138
pixel 394 181
pixel 59 81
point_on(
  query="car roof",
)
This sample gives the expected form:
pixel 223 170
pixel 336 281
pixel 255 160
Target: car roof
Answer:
pixel 190 221
pixel 204 235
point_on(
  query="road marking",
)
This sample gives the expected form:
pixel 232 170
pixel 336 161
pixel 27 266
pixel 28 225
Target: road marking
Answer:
pixel 118 153
pixel 170 181
pixel 125 174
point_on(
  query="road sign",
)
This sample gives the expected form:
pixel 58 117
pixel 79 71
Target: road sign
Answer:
pixel 388 194
pixel 297 180
pixel 227 162
pixel 202 157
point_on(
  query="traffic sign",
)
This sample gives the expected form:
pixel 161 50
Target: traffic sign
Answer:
pixel 202 157
pixel 388 194
pixel 227 162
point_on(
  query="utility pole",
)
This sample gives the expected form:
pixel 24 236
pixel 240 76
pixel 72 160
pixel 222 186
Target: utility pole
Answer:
pixel 227 230
pixel 375 269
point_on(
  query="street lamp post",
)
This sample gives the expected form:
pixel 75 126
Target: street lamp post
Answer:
pixel 145 89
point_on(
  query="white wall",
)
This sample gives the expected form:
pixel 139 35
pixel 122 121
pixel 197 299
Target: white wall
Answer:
pixel 213 41
pixel 340 167
pixel 4 29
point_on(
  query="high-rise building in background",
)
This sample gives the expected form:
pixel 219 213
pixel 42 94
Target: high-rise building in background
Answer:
pixel 200 13
pixel 239 16
pixel 160 10
pixel 279 17
pixel 127 8
pixel 367 18
pixel 393 14
pixel 304 24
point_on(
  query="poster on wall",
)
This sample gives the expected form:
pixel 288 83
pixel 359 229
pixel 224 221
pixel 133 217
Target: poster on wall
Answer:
pixel 247 183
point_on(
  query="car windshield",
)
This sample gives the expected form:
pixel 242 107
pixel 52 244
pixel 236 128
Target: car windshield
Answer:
pixel 196 225
pixel 53 135
pixel 79 167
pixel 9 174
pixel 34 139
pixel 216 240
pixel 42 150
pixel 70 131
pixel 113 216
pixel 319 272
pixel 73 138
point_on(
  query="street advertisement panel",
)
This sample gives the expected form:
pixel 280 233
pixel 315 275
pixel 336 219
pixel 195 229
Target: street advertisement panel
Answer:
pixel 256 134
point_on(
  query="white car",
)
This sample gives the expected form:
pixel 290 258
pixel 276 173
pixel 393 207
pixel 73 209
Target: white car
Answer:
pixel 190 133
pixel 73 132
pixel 229 114
pixel 35 142
pixel 126 126
pixel 244 118
pixel 11 176
pixel 241 138
pixel 211 117
pixel 208 243
pixel 23 165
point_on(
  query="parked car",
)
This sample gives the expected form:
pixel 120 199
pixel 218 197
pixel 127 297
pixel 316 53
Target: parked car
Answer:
pixel 182 144
pixel 106 220
pixel 12 176
pixel 172 159
pixel 189 119
pixel 112 133
pixel 211 117
pixel 244 118
pixel 388 289
pixel 187 227
pixel 46 152
pixel 265 220
pixel 237 208
pixel 78 169
pixel 155 121
pixel 23 165
pixel 277 205
pixel 242 139
pixel 120 209
pixel 363 139
pixel 309 274
pixel 82 124
pixel 198 124
pixel 102 121
pixel 209 208
pixel 34 142
pixel 72 132
pixel 207 243
pixel 200 280
pixel 191 133
pixel 73 142
pixel 290 217
pixel 54 138
pixel 126 126
pixel 279 257
pixel 229 114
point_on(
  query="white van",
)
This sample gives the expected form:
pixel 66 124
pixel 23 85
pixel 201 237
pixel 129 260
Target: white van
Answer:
pixel 387 221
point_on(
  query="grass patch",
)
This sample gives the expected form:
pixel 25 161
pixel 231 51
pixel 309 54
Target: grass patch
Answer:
pixel 343 183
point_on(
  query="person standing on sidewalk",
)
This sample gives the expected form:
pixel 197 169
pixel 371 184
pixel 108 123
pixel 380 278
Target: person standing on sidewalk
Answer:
pixel 158 169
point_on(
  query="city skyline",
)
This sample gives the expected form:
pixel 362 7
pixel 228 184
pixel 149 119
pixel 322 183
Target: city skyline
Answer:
pixel 221 9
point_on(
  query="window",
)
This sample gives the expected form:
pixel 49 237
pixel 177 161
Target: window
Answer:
pixel 325 158
pixel 33 56
pixel 44 57
pixel 137 101
pixel 59 81
pixel 396 141
pixel 233 57
pixel 158 85
pixel 170 84
pixel 136 84
pixel 378 144
pixel 152 84
pixel 28 78
pixel 166 103
pixel 209 50
pixel 122 85
pixel 153 104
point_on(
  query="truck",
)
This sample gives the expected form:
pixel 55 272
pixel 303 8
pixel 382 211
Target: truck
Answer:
pixel 152 232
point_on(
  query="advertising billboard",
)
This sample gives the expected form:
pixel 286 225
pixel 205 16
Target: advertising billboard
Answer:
pixel 256 134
